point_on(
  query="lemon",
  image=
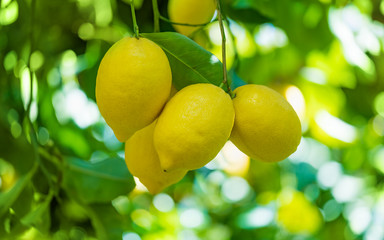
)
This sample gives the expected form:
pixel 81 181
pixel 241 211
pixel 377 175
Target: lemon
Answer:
pixel 266 126
pixel 143 162
pixel 298 215
pixel 190 12
pixel 193 127
pixel 132 86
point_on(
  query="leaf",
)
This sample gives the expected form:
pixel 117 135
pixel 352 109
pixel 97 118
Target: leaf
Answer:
pixel 97 182
pixel 243 11
pixel 9 197
pixel 190 63
pixel 40 216
pixel 11 227
pixel 23 203
pixel 18 152
pixel 247 16
pixel 107 222
pixel 236 81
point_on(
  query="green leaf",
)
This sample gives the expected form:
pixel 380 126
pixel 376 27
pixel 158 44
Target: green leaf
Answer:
pixel 23 203
pixel 9 197
pixel 247 16
pixel 97 182
pixel 40 216
pixel 11 227
pixel 236 81
pixel 16 151
pixel 107 222
pixel 190 63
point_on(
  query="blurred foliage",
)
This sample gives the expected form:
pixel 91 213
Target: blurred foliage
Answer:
pixel 61 170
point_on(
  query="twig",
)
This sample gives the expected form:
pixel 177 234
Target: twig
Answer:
pixel 223 48
pixel 156 16
pixel 135 26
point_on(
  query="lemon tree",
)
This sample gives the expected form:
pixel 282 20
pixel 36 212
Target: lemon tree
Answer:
pixel 175 119
pixel 133 83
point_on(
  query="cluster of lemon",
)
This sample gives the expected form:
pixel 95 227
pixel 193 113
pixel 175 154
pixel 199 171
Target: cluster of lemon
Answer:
pixel 167 133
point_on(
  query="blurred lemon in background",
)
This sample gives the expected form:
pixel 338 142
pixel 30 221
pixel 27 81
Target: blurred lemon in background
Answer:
pixel 297 214
pixel 190 12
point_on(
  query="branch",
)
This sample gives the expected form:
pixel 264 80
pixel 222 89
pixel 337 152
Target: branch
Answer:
pixel 223 48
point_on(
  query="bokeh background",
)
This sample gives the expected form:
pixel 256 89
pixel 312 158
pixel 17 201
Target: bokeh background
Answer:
pixel 58 158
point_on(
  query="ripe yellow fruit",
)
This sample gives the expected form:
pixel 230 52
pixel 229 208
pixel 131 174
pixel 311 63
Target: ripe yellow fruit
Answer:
pixel 191 12
pixel 143 162
pixel 193 127
pixel 298 215
pixel 266 126
pixel 133 84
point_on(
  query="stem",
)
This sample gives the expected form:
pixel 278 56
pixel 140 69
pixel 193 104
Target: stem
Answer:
pixel 135 27
pixel 223 48
pixel 156 16
pixel 51 158
pixel 31 37
pixel 183 24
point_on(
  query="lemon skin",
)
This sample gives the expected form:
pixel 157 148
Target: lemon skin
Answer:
pixel 132 86
pixel 193 127
pixel 191 12
pixel 266 126
pixel 143 162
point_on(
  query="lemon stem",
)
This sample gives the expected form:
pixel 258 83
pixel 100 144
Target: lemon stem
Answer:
pixel 135 26
pixel 223 49
pixel 156 16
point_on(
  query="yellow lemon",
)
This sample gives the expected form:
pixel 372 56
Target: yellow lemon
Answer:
pixel 266 126
pixel 143 162
pixel 132 86
pixel 193 127
pixel 299 215
pixel 190 12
